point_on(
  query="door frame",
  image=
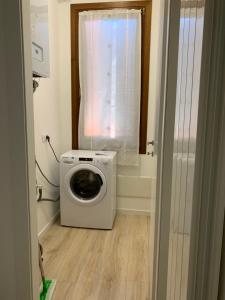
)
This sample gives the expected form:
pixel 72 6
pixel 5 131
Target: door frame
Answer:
pixel 165 147
pixel 18 102
pixel 19 254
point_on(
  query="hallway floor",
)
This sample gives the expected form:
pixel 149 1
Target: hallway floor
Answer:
pixel 93 264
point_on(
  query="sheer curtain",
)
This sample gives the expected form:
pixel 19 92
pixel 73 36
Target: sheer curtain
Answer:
pixel 110 82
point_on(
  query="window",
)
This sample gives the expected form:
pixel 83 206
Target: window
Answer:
pixel 110 51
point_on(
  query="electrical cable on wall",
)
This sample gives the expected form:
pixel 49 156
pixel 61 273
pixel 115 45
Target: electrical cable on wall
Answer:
pixel 40 199
pixel 45 177
pixel 35 86
pixel 53 151
pixel 48 200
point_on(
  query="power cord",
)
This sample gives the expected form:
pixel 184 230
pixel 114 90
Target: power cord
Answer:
pixel 48 200
pixel 53 151
pixel 45 177
pixel 40 199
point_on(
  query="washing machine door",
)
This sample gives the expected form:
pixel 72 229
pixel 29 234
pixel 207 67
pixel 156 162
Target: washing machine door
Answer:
pixel 85 184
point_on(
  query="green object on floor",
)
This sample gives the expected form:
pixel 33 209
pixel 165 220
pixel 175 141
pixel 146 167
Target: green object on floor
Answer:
pixel 47 289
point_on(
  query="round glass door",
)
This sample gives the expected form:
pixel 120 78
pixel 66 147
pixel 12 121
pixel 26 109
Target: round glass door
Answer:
pixel 85 184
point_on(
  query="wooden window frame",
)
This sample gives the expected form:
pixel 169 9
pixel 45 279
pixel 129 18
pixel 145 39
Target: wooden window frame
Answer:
pixel 146 6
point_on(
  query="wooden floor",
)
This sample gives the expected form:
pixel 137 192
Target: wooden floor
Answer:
pixel 99 264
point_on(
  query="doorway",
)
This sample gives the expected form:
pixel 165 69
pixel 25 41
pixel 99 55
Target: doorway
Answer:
pixel 135 183
pixel 28 107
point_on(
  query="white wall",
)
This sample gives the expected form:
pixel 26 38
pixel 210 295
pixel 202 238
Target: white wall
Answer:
pixel 144 175
pixel 47 121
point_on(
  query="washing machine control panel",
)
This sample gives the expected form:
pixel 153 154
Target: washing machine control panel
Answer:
pixel 99 160
pixel 85 159
pixel 68 160
pixel 72 159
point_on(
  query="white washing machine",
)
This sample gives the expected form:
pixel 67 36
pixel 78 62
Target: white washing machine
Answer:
pixel 88 189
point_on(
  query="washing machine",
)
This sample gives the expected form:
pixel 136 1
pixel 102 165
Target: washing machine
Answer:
pixel 88 189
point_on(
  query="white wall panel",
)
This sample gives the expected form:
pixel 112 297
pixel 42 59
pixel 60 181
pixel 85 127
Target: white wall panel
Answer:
pixel 47 121
pixel 188 81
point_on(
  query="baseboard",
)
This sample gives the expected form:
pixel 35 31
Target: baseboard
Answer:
pixel 124 211
pixel 121 211
pixel 48 225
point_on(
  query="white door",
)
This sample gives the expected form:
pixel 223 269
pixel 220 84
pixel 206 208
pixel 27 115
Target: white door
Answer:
pixel 185 133
pixel 179 117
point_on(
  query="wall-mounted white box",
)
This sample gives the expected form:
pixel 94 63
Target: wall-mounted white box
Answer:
pixel 40 38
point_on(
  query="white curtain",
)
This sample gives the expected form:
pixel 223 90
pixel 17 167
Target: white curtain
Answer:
pixel 110 82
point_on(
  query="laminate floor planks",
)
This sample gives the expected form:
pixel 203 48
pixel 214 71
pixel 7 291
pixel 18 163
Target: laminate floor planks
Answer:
pixel 91 264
